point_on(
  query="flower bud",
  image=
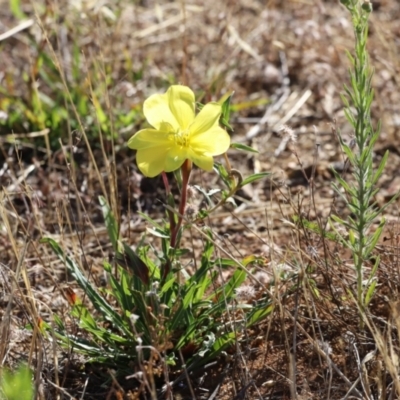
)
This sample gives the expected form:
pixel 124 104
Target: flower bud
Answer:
pixel 367 6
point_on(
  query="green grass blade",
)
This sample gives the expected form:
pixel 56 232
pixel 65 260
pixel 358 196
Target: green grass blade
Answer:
pixel 98 301
pixel 110 222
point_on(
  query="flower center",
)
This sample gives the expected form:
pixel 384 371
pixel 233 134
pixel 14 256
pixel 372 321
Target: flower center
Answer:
pixel 181 138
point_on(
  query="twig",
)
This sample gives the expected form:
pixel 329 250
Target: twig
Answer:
pixel 324 354
pixel 13 31
pixel 243 45
pixel 285 91
pixel 223 376
pixel 187 375
pixel 305 96
pixel 282 146
pixel 62 390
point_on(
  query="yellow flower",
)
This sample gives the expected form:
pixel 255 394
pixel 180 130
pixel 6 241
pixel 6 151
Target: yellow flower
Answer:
pixel 179 134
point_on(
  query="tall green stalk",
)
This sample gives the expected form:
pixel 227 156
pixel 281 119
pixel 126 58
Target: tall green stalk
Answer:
pixel 358 193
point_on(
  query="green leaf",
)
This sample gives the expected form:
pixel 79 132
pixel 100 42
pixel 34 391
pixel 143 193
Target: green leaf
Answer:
pixel 111 223
pixel 100 114
pixel 121 289
pixel 151 221
pixel 189 296
pixel 221 344
pixel 313 227
pixel 205 194
pixel 254 177
pixel 243 147
pixel 98 301
pixel 374 269
pixel 373 239
pixel 352 238
pixel 179 318
pixel 17 385
pixel 58 321
pixel 382 164
pixel 15 8
pixel 249 104
pixel 225 263
pixel 259 313
pixel 225 102
pixel 129 259
pixel 168 285
pixel 228 290
pixel 224 175
pixel 370 292
pixel 157 233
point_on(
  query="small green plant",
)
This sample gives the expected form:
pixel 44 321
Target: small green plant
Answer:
pixel 359 194
pixel 47 97
pixel 153 308
pixel 16 385
pixel 49 107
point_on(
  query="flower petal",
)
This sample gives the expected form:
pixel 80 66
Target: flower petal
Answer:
pixel 181 103
pixel 206 119
pixel 151 161
pixel 179 134
pixel 149 138
pixel 213 142
pixel 203 161
pixel 175 158
pixel 157 112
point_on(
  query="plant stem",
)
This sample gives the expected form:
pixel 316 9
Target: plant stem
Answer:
pixel 186 169
pixel 170 202
pixel 359 194
pixel 362 76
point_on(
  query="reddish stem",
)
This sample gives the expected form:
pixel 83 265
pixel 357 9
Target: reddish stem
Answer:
pixel 171 215
pixel 166 183
pixel 186 170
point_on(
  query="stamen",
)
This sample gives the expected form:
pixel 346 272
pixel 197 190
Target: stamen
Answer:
pixel 181 138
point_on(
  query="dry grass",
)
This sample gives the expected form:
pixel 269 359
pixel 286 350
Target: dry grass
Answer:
pixel 286 63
